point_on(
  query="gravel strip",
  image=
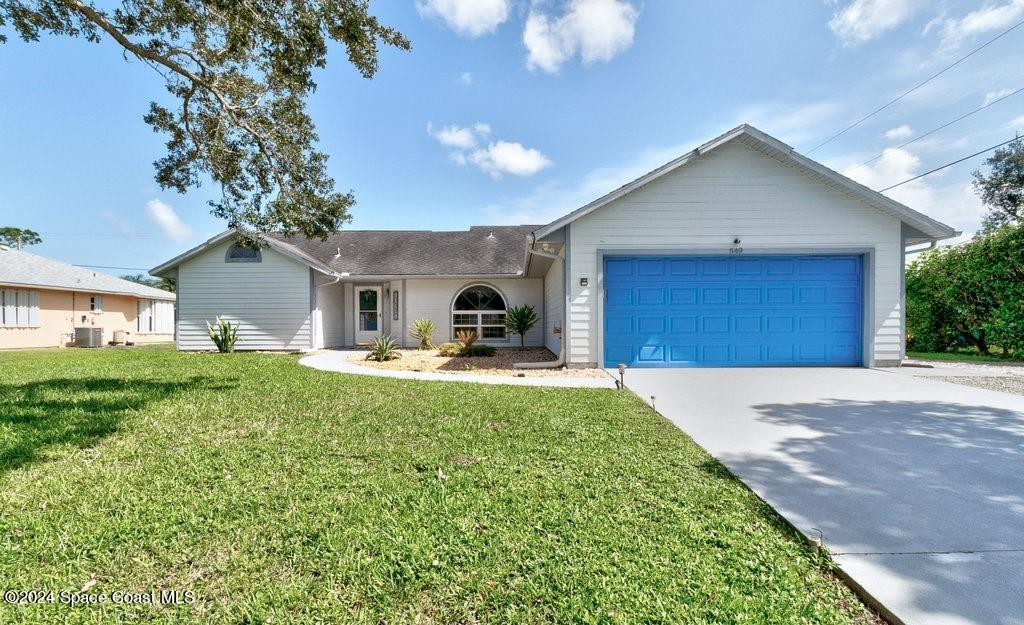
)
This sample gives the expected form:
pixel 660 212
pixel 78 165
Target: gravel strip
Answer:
pixel 1013 384
pixel 499 364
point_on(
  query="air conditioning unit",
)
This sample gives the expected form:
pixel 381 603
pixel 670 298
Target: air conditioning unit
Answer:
pixel 88 337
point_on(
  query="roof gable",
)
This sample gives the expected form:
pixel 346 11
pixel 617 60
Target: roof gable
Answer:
pixel 22 268
pixel 758 140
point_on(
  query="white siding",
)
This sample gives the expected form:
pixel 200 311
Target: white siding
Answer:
pixel 330 313
pixel 269 299
pixel 554 305
pixel 736 191
pixel 432 299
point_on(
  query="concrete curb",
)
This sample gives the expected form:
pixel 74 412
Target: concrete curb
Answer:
pixel 339 362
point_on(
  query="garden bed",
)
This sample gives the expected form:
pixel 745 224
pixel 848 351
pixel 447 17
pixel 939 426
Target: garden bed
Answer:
pixel 498 364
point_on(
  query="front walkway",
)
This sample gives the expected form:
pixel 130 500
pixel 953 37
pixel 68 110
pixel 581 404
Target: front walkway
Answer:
pixel 915 483
pixel 340 361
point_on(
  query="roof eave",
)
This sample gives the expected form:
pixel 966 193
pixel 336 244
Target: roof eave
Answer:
pixel 167 295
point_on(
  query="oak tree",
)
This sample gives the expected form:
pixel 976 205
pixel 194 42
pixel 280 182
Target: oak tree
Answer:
pixel 239 73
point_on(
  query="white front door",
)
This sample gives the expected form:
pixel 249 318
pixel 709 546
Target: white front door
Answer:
pixel 368 317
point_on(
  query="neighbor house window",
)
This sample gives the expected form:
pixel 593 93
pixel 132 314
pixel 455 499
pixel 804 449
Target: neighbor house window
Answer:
pixel 155 316
pixel 241 254
pixel 19 307
pixel 96 303
pixel 481 309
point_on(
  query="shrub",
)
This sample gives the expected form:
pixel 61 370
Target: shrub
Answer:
pixel 384 348
pixel 478 350
pixel 450 349
pixel 466 337
pixel 423 330
pixel 223 335
pixel 520 320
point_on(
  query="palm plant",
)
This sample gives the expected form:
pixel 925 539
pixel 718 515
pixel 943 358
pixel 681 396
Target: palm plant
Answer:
pixel 384 348
pixel 466 337
pixel 223 335
pixel 423 330
pixel 520 320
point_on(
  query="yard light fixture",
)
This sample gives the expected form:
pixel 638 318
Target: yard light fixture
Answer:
pixel 622 375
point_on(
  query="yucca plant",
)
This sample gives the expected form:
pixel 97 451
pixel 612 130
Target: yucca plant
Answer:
pixel 520 320
pixel 423 330
pixel 223 335
pixel 384 348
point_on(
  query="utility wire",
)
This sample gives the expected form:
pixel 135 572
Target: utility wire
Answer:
pixel 916 87
pixel 959 160
pixel 947 124
pixel 110 267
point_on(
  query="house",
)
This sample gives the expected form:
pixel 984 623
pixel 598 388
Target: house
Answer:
pixel 741 252
pixel 42 301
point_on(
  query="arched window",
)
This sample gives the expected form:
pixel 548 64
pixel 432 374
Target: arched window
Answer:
pixel 240 254
pixel 481 309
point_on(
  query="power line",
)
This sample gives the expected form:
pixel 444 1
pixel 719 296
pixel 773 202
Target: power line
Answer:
pixel 947 124
pixel 959 160
pixel 107 266
pixel 916 87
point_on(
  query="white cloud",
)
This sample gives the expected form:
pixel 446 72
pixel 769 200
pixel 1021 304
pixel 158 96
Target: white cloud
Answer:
pixel 597 30
pixel 168 221
pixel 1017 123
pixel 864 20
pixel 992 96
pixel 988 18
pixel 466 78
pixel 553 199
pixel 954 204
pixel 496 158
pixel 505 157
pixel 454 136
pixel 471 18
pixel 900 132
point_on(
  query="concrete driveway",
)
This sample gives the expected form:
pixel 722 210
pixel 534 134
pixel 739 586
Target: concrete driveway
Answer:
pixel 916 484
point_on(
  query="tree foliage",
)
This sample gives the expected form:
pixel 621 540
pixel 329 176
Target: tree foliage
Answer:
pixel 166 284
pixel 19 237
pixel 1002 189
pixel 969 294
pixel 240 74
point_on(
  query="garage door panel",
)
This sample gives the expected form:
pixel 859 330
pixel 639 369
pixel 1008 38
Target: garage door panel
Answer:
pixel 732 311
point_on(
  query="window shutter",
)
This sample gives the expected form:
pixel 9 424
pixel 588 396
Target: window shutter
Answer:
pixel 8 315
pixel 22 314
pixel 145 315
pixel 33 308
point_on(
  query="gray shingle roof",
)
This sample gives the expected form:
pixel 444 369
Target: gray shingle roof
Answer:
pixel 18 267
pixel 481 250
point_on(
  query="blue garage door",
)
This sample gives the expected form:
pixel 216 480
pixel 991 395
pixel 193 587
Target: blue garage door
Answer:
pixel 725 311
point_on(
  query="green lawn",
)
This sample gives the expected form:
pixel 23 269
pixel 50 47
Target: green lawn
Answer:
pixel 273 490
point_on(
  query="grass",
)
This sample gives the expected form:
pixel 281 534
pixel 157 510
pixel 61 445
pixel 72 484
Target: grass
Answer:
pixel 965 356
pixel 281 494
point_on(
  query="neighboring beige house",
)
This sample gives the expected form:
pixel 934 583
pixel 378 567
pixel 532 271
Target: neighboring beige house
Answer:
pixel 739 253
pixel 42 301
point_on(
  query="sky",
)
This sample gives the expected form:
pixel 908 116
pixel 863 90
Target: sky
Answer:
pixel 519 111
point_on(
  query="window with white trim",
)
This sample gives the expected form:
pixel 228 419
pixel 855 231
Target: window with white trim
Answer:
pixel 155 316
pixel 96 303
pixel 242 254
pixel 481 309
pixel 19 308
